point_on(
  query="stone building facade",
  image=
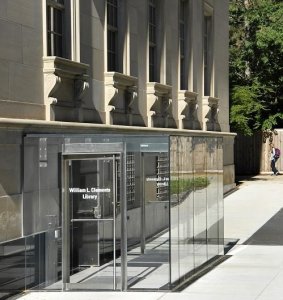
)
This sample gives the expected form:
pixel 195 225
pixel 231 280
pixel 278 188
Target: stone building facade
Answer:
pixel 97 66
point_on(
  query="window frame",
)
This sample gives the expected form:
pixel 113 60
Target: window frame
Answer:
pixel 152 40
pixel 208 50
pixel 183 46
pixel 54 49
pixel 113 64
pixel 70 24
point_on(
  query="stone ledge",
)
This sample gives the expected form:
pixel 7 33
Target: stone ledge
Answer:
pixel 29 123
pixel 22 110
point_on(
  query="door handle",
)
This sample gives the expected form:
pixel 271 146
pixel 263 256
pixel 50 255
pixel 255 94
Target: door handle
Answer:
pixel 97 212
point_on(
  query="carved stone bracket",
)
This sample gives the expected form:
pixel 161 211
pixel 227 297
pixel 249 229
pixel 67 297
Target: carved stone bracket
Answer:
pixel 131 97
pixel 52 84
pixel 58 74
pixel 120 91
pixel 187 109
pixel 210 112
pixel 159 102
pixel 80 87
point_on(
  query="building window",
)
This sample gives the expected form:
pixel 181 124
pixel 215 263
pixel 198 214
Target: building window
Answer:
pixel 130 175
pixel 207 53
pixel 112 35
pixel 152 21
pixel 182 40
pixel 162 167
pixel 55 28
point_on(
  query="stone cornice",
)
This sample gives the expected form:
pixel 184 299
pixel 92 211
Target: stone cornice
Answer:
pixel 31 124
pixel 211 101
pixel 64 67
pixel 119 80
pixel 159 89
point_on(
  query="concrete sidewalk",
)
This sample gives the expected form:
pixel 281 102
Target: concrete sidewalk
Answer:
pixel 254 269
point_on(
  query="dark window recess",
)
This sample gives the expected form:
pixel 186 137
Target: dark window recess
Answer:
pixel 207 63
pixel 182 42
pixel 112 35
pixel 55 32
pixel 152 40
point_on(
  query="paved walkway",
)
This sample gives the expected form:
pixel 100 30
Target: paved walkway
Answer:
pixel 254 270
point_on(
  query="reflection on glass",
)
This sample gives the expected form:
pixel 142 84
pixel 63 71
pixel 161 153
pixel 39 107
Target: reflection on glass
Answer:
pixel 212 199
pixel 200 209
pixel 91 194
pixel 196 199
pixel 149 260
pixel 174 208
pixel 186 206
pixel 220 194
pixel 174 212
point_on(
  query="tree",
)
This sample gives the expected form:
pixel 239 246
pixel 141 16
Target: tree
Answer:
pixel 256 65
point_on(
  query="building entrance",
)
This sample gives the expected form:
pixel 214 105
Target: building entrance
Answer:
pixel 91 185
pixel 89 207
pixel 120 212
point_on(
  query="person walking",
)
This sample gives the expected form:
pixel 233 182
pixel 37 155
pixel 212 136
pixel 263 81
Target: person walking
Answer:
pixel 273 159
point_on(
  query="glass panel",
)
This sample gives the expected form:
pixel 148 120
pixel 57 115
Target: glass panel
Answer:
pixel 58 19
pixel 112 39
pixel 134 204
pixel 152 41
pixel 22 264
pixel 200 213
pixel 58 48
pixel 207 55
pixel 174 208
pixel 112 13
pixel 156 219
pixel 220 194
pixel 212 199
pixel 37 271
pixel 92 205
pixel 156 168
pixel 196 175
pixel 112 35
pixel 12 266
pixel 186 205
pixel 54 31
pixel 148 220
pixel 152 63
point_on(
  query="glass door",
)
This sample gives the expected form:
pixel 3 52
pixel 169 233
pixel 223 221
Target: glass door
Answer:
pixel 150 261
pixel 89 223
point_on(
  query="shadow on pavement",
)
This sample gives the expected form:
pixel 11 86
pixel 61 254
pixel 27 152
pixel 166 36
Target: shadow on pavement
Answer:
pixel 241 179
pixel 270 234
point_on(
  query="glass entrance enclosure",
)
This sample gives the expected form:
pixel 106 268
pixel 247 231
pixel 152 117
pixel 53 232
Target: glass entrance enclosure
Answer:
pixel 120 212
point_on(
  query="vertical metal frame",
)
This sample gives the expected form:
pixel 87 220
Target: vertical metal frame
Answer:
pixel 114 173
pixel 142 204
pixel 65 164
pixel 123 205
pixel 65 224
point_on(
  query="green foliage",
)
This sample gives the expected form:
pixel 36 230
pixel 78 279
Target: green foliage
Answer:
pixel 256 68
pixel 186 184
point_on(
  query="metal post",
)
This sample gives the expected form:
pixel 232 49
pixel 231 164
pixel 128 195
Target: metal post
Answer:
pixel 123 203
pixel 114 195
pixel 142 202
pixel 65 225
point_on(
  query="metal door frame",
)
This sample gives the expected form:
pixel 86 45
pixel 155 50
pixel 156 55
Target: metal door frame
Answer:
pixel 93 152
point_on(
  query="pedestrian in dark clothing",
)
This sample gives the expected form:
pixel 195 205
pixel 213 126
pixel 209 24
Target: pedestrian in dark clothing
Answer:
pixel 273 160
